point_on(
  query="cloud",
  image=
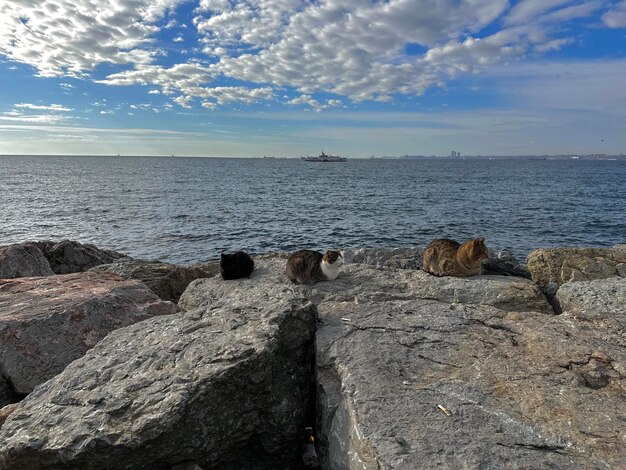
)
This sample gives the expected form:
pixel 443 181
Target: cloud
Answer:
pixel 244 51
pixel 15 116
pixel 315 104
pixel 38 107
pixel 616 17
pixel 72 37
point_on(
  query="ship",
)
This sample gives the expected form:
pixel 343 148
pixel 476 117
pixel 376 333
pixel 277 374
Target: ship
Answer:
pixel 323 157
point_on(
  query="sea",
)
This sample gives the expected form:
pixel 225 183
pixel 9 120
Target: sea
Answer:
pixel 187 210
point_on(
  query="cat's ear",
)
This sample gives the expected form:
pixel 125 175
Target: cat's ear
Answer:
pixel 221 255
pixel 481 240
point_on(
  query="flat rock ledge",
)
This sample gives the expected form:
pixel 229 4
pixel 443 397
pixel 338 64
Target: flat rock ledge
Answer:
pixel 47 322
pixel 223 386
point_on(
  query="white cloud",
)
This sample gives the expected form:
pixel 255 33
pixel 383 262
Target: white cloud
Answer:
pixel 616 17
pixel 71 37
pixel 351 48
pixel 315 104
pixel 39 107
pixel 32 118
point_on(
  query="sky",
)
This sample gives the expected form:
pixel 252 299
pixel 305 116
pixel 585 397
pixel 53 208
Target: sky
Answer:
pixel 287 78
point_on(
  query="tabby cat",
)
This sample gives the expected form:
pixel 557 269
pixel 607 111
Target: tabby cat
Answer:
pixel 236 266
pixel 309 267
pixel 445 257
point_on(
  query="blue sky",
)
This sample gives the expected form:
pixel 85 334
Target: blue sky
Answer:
pixel 289 77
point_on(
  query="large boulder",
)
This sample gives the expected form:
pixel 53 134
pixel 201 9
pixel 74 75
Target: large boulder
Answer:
pixel 23 260
pixel 224 386
pixel 415 371
pixel 46 258
pixel 70 256
pixel 419 384
pixel 168 281
pixel 47 322
pixel 561 265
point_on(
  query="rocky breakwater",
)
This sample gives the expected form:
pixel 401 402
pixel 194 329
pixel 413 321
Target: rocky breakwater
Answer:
pixel 223 385
pixel 47 322
pixel 410 371
pixel 414 371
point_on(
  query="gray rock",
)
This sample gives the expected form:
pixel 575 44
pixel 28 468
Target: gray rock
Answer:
pixel 380 256
pixel 523 389
pixel 70 256
pixel 47 322
pixel 419 384
pixel 363 282
pixel 561 265
pixel 591 300
pixel 168 281
pixel 222 386
pixel 23 260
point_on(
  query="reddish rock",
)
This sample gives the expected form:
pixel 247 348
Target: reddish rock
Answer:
pixel 47 322
pixel 21 260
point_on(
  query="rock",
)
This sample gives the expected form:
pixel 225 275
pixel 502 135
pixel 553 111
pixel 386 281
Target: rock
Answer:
pixel 224 386
pixel 393 345
pixel 495 266
pixel 380 256
pixel 592 300
pixel 69 256
pixel 168 281
pixel 47 322
pixel 6 411
pixel 561 265
pixel 419 384
pixel 363 282
pixel 23 260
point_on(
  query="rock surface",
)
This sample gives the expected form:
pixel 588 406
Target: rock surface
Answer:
pixel 523 389
pixel 47 322
pixel 70 256
pixel 23 260
pixel 46 258
pixel 412 371
pixel 362 282
pixel 168 281
pixel 222 386
pixel 561 265
pixel 403 258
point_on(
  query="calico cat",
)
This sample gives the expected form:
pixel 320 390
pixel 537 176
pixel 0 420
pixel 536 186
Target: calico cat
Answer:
pixel 445 257
pixel 236 266
pixel 309 267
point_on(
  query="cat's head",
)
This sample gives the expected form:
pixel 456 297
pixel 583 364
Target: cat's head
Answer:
pixel 478 250
pixel 334 258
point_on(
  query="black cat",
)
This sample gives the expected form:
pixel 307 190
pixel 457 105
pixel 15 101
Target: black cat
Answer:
pixel 236 266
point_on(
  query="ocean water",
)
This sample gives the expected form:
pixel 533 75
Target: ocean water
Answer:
pixel 185 210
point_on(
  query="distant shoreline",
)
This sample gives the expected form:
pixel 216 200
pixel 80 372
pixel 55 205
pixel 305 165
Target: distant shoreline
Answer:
pixel 604 157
